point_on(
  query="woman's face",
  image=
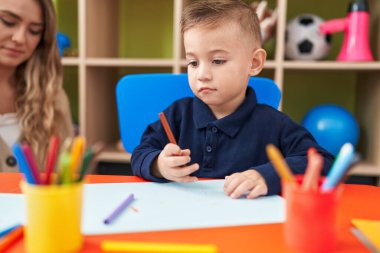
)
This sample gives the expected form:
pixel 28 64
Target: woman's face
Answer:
pixel 21 29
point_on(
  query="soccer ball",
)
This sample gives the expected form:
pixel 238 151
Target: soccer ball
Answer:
pixel 303 40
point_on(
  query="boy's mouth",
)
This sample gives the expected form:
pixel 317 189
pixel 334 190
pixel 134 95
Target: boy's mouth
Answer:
pixel 206 89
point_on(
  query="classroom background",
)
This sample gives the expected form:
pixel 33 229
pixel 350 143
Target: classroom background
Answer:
pixel 113 38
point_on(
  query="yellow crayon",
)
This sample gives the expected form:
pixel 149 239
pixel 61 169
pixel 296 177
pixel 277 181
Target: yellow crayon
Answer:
pixel 124 246
pixel 279 164
pixel 77 151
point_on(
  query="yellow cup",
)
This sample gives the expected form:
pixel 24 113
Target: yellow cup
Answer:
pixel 53 217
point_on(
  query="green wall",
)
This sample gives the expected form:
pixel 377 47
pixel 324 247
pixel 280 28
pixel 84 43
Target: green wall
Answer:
pixel 67 13
pixel 146 28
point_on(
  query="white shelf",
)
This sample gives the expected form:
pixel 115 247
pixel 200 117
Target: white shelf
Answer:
pixel 365 169
pixel 113 155
pixel 112 62
pixel 331 65
pixel 70 61
pixel 269 64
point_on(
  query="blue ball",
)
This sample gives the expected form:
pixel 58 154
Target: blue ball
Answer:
pixel 332 126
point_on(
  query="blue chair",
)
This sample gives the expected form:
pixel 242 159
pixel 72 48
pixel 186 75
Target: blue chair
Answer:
pixel 140 97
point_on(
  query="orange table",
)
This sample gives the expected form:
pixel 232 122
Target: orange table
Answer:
pixel 359 201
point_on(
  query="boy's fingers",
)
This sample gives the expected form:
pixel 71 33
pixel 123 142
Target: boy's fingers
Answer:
pixel 171 149
pixel 187 179
pixel 242 188
pixel 184 171
pixel 177 161
pixel 185 152
pixel 258 190
pixel 231 183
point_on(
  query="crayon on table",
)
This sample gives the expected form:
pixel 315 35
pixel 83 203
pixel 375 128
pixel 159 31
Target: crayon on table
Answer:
pixel 11 238
pixel 8 230
pixel 119 209
pixel 124 246
pixel 166 126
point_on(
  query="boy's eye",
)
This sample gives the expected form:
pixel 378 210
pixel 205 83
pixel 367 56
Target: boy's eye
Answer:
pixel 192 63
pixel 218 62
pixel 7 22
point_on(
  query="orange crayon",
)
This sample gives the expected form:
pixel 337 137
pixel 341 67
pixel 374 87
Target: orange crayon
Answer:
pixel 166 126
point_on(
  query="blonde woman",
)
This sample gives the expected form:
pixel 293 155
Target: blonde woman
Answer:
pixel 33 105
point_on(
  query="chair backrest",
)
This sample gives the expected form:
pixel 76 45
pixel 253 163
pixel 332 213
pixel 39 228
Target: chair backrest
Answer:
pixel 140 97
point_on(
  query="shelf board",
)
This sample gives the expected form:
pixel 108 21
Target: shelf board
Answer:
pixel 113 155
pixel 331 65
pixel 269 64
pixel 126 62
pixel 70 61
pixel 365 169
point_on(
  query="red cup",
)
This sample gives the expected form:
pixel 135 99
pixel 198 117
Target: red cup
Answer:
pixel 311 218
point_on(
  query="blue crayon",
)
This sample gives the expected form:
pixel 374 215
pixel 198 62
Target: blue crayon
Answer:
pixel 23 164
pixel 342 163
pixel 7 230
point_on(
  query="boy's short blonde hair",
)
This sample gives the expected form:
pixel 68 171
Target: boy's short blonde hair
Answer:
pixel 215 12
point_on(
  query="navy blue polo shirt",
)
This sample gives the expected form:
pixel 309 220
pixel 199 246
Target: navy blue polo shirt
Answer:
pixel 232 144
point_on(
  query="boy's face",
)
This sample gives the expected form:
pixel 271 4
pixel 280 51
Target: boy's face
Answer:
pixel 220 61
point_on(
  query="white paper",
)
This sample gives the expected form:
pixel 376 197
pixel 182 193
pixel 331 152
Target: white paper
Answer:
pixel 168 206
pixel 12 210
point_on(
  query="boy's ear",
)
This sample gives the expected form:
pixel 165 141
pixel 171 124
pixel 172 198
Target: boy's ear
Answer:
pixel 258 59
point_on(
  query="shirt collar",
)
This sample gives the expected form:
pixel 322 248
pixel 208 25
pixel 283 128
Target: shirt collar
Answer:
pixel 230 124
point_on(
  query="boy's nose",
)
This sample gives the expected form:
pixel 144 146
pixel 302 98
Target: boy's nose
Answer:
pixel 19 35
pixel 204 73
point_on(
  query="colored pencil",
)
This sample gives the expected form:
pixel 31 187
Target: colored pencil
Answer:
pixel 51 157
pixel 77 151
pixel 342 162
pixel 279 164
pixel 64 166
pixel 23 164
pixel 86 162
pixel 313 170
pixel 119 209
pixel 166 126
pixel 8 230
pixel 125 246
pixel 32 163
pixel 11 238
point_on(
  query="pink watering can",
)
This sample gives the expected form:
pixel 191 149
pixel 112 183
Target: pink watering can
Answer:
pixel 356 28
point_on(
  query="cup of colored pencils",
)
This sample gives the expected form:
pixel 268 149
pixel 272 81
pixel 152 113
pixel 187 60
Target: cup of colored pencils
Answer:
pixel 54 199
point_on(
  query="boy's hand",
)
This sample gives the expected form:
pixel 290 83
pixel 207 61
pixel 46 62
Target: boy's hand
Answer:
pixel 172 164
pixel 249 181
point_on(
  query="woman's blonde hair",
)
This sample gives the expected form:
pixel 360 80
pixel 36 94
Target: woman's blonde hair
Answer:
pixel 38 86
